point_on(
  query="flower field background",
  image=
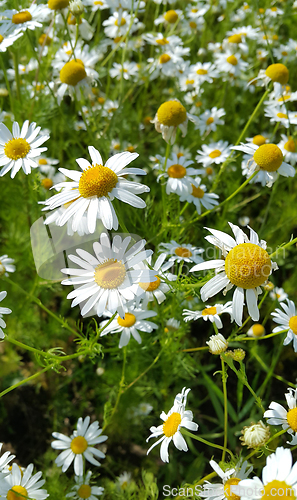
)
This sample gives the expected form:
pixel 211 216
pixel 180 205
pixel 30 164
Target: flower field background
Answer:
pixel 147 248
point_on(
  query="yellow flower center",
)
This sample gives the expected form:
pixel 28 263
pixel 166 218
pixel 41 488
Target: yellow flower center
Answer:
pixel 42 161
pixel 17 148
pixel 282 115
pixel 128 320
pixel 269 157
pixel 151 285
pixel 280 490
pixel 110 274
pixel 171 16
pixel 57 4
pixel 21 17
pixel 72 20
pixel 171 113
pixel 233 481
pixel 17 493
pixel 182 252
pixel 247 265
pixel 259 140
pixel 97 181
pixel 209 170
pixel 122 23
pixel 292 419
pixel 290 146
pixel 117 39
pixel 101 100
pixel 234 39
pixel 278 73
pixel 189 82
pixel 194 11
pixel 293 324
pixel 209 120
pixel 44 39
pixel 84 491
pixel 193 25
pixel 284 98
pixel 47 183
pixel 164 58
pixel 1 38
pixel 2 269
pixel 177 171
pixel 209 310
pixel 162 41
pixel 197 192
pixel 201 71
pixel 73 72
pixel 215 153
pixel 232 60
pixel 171 425
pixel 261 10
pixel 258 330
pixel 78 445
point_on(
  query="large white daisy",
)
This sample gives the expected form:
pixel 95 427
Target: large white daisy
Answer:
pixel 109 280
pixel 21 484
pixel 21 148
pixel 244 263
pixel 93 190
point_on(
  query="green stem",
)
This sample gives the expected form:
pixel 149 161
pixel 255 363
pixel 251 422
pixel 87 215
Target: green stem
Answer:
pixel 269 441
pixel 287 245
pixel 7 85
pixel 28 379
pixel 208 443
pixel 224 382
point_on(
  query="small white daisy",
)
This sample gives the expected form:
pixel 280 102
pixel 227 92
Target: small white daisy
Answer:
pixel 29 18
pixel 21 148
pixel 3 310
pixel 185 252
pixel 4 461
pixel 8 36
pixel 176 418
pixel 209 120
pixel 227 62
pixel 199 196
pixel 230 478
pixel 20 484
pixel 211 313
pixel 278 294
pixel 178 174
pixel 151 290
pixel 6 265
pixel 244 263
pixel 278 415
pixel 83 490
pixel 80 444
pixel 287 319
pixel 288 148
pixel 214 152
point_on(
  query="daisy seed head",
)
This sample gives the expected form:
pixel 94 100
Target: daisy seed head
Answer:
pixel 171 16
pixel 47 183
pixel 182 252
pixel 84 491
pixel 57 4
pixel 278 73
pixel 110 274
pixel 259 140
pixel 255 435
pixel 97 181
pixel 17 492
pixel 258 330
pixel 21 17
pixel 128 321
pixel 17 148
pixel 171 113
pixel 247 265
pixel 269 157
pixel 290 146
pixel 73 72
pixel 217 344
pixel 197 192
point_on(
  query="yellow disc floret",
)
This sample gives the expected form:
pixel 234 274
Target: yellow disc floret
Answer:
pixel 44 39
pixel 233 481
pixel 171 425
pixel 209 120
pixel 293 324
pixel 215 153
pixel 164 58
pixel 234 39
pixel 17 148
pixel 21 17
pixel 279 489
pixel 259 140
pixel 232 60
pixel 84 491
pixel 171 113
pixel 73 72
pixel 78 445
pixel 128 320
pixel 290 146
pixel 182 252
pixel 171 16
pixel 47 183
pixel 151 285
pixel 177 171
pixel 57 4
pixel 162 41
pixel 247 265
pixel 197 192
pixel 201 71
pixel 97 181
pixel 268 157
pixel 122 23
pixel 1 38
pixel 278 73
pixel 110 274
pixel 209 310
pixel 17 492
pixel 292 419
pixel 258 330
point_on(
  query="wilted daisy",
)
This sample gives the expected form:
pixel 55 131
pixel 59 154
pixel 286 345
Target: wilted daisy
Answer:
pixel 20 484
pixel 268 159
pixel 255 435
pixel 93 190
pixel 211 313
pixel 3 310
pixel 21 148
pixel 82 488
pixel 230 478
pixel 185 252
pixel 287 319
pixel 80 444
pixel 278 475
pixel 198 195
pixel 111 279
pixel 6 265
pixel 170 115
pixel 73 80
pixel 176 418
pixel 244 263
pixel 214 152
pixel 135 321
pixel 217 344
pixel 151 290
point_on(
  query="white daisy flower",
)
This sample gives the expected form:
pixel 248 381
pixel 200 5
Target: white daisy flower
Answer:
pixel 8 36
pixel 20 484
pixel 288 148
pixel 185 252
pixel 278 415
pixel 199 196
pixel 159 40
pixel 169 17
pixel 214 152
pixel 211 313
pixel 21 148
pixel 50 176
pixel 74 79
pixel 230 478
pixel 80 444
pixel 3 310
pixel 96 5
pixel 135 320
pixel 203 72
pixel 256 330
pixel 125 478
pixel 93 190
pixel 127 70
pixel 230 63
pixel 279 474
pixel 209 120
pixel 279 114
pixel 5 459
pixel 287 319
pixel 151 290
pixel 170 115
pixel 172 325
pixel 244 263
pixel 176 418
pixel 168 64
pixel 268 159
pixel 110 280
pixel 55 216
pixel 29 18
pixel 178 175
pixel 6 265
pixel 118 24
pixel 278 294
pixel 83 490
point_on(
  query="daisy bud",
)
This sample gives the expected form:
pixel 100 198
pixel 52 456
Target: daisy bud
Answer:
pixel 76 7
pixel 3 92
pixel 255 435
pixel 278 73
pixel 238 355
pixel 269 286
pixel 217 344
